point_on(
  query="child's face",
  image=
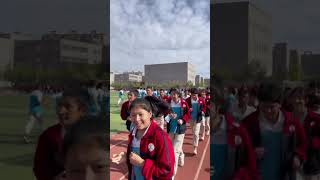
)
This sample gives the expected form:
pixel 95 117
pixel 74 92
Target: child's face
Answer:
pixel 69 111
pixel 270 110
pixel 131 97
pixel 149 92
pixel 140 117
pixel 174 96
pixel 86 162
pixel 194 96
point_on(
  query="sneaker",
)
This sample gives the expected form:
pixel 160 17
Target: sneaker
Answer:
pixel 26 139
pixel 195 152
pixel 208 133
pixel 181 160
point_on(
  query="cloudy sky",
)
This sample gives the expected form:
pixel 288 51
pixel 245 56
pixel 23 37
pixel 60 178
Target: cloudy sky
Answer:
pixel 159 31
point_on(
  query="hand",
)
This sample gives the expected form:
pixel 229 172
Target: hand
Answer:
pixel 173 115
pixel 129 118
pixel 259 152
pixel 180 121
pixel 202 113
pixel 191 109
pixel 296 163
pixel 136 160
pixel 119 158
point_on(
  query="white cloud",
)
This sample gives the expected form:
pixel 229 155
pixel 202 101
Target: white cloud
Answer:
pixel 159 31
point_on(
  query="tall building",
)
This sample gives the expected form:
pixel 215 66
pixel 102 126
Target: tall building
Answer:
pixel 207 82
pixel 280 61
pixel 178 73
pixel 295 72
pixel 241 34
pixel 310 64
pixel 197 80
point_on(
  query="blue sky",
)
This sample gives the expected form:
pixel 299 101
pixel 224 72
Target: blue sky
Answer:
pixel 159 31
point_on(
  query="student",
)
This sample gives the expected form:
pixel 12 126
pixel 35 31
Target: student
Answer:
pixel 47 162
pixel 160 108
pixel 94 108
pixel 86 150
pixel 243 109
pixel 125 113
pixel 311 121
pixel 197 110
pixel 163 96
pixel 149 91
pixel 121 94
pixel 205 95
pixel 232 154
pixel 35 111
pixel 150 153
pixel 278 138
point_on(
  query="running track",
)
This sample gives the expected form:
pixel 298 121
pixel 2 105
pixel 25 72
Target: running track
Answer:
pixel 195 167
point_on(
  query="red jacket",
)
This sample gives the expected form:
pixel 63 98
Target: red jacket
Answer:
pixel 165 98
pixel 247 169
pixel 251 123
pixel 312 128
pixel 208 105
pixel 48 159
pixel 124 113
pixel 159 162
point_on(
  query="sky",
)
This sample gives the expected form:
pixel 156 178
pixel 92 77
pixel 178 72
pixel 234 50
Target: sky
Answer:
pixel 159 31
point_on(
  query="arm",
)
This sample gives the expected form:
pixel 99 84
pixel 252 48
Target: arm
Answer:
pixel 301 141
pixel 186 113
pixel 41 166
pixel 123 112
pixel 163 166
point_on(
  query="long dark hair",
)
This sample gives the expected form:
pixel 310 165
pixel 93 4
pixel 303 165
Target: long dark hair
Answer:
pixel 151 104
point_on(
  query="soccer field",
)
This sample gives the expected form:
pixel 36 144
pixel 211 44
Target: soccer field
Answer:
pixel 16 157
pixel 116 123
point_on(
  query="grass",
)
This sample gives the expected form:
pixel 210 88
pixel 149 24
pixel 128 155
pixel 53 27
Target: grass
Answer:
pixel 116 123
pixel 16 157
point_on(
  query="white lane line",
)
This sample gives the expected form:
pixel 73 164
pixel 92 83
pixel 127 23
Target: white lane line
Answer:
pixel 202 158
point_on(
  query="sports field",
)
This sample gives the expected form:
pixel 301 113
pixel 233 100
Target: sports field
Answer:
pixel 116 123
pixel 16 157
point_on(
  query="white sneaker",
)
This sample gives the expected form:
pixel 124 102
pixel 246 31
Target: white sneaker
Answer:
pixel 26 139
pixel 181 160
pixel 195 152
pixel 208 133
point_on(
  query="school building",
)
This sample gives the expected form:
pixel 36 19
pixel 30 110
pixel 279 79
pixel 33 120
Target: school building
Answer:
pixel 178 73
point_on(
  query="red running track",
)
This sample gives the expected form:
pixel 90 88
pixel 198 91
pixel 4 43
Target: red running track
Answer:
pixel 195 167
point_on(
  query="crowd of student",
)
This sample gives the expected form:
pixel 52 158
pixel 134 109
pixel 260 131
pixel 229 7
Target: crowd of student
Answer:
pixel 76 147
pixel 265 132
pixel 157 123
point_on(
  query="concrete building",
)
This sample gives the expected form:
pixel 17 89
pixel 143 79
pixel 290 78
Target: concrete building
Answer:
pixel 201 81
pixel 241 33
pixel 7 42
pixel 280 55
pixel 197 80
pixel 179 73
pixel 57 52
pixel 127 77
pixel 310 64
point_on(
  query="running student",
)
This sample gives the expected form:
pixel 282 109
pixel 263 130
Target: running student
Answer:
pixel 311 121
pixel 86 151
pixel 205 95
pixel 48 163
pixel 242 108
pixel 232 154
pixel 197 110
pixel 278 138
pixel 121 96
pixel 125 113
pixel 177 125
pixel 35 111
pixel 150 153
